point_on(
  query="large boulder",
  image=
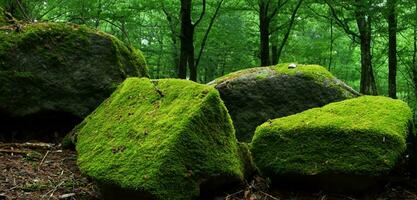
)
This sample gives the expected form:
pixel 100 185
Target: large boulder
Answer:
pixel 255 95
pixel 53 74
pixel 162 139
pixel 361 137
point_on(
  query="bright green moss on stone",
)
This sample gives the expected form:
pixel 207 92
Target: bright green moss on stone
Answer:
pixel 159 139
pixel 363 136
pixel 61 68
pixel 256 95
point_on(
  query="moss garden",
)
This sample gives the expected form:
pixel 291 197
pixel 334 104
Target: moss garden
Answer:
pixel 142 138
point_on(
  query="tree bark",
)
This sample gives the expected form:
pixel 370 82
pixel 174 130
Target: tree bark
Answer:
pixel 187 40
pixel 174 37
pixel 264 23
pixel 363 20
pixel 206 34
pixel 274 52
pixel 186 37
pixel 392 52
pixel 414 62
pixel 331 45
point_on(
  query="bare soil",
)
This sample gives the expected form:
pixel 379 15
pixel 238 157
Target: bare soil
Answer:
pixel 41 171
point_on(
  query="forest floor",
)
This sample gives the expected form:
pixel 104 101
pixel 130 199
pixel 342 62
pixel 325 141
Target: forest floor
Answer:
pixel 45 171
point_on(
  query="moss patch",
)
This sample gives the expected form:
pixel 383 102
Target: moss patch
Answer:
pixel 362 136
pixel 2 17
pixel 162 139
pixel 256 95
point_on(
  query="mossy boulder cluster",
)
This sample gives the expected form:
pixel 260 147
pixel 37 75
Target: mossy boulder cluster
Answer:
pixel 256 95
pixel 52 70
pixel 175 139
pixel 365 136
pixel 162 139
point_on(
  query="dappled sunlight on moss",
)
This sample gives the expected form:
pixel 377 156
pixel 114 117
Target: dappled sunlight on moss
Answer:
pixel 164 137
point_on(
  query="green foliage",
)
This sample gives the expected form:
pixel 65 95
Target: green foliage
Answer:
pixel 162 137
pixel 361 136
pixel 2 17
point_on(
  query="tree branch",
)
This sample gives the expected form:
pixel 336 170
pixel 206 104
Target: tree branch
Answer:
pixel 203 43
pixel 201 15
pixel 341 22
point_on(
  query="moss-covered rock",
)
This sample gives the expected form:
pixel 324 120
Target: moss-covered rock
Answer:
pixel 165 139
pixel 255 95
pixel 364 136
pixel 247 160
pixel 60 68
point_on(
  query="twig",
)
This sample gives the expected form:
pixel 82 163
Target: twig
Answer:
pixel 410 193
pixel 234 194
pixel 51 192
pixel 65 196
pixel 14 151
pixel 43 159
pixel 29 145
pixel 268 195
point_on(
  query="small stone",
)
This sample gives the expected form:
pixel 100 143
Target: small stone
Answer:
pixel 292 66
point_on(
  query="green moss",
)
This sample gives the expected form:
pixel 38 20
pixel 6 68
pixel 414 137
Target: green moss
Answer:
pixel 247 161
pixel 62 67
pixel 163 137
pixel 2 17
pixel 256 95
pixel 362 136
pixel 45 36
pixel 315 73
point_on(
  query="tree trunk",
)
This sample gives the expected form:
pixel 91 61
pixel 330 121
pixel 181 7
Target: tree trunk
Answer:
pixel 17 8
pixel 206 34
pixel 274 51
pixel 174 37
pixel 186 37
pixel 392 52
pixel 414 62
pixel 191 62
pixel 367 85
pixel 187 40
pixel 287 34
pixel 264 23
pixel 331 45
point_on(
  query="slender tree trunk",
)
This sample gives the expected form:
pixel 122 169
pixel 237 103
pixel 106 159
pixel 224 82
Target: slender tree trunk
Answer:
pixel 392 52
pixel 264 23
pixel 99 11
pixel 368 84
pixel 186 37
pixel 274 52
pixel 414 62
pixel 17 8
pixel 287 34
pixel 204 41
pixel 174 38
pixel 331 45
pixel 191 60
